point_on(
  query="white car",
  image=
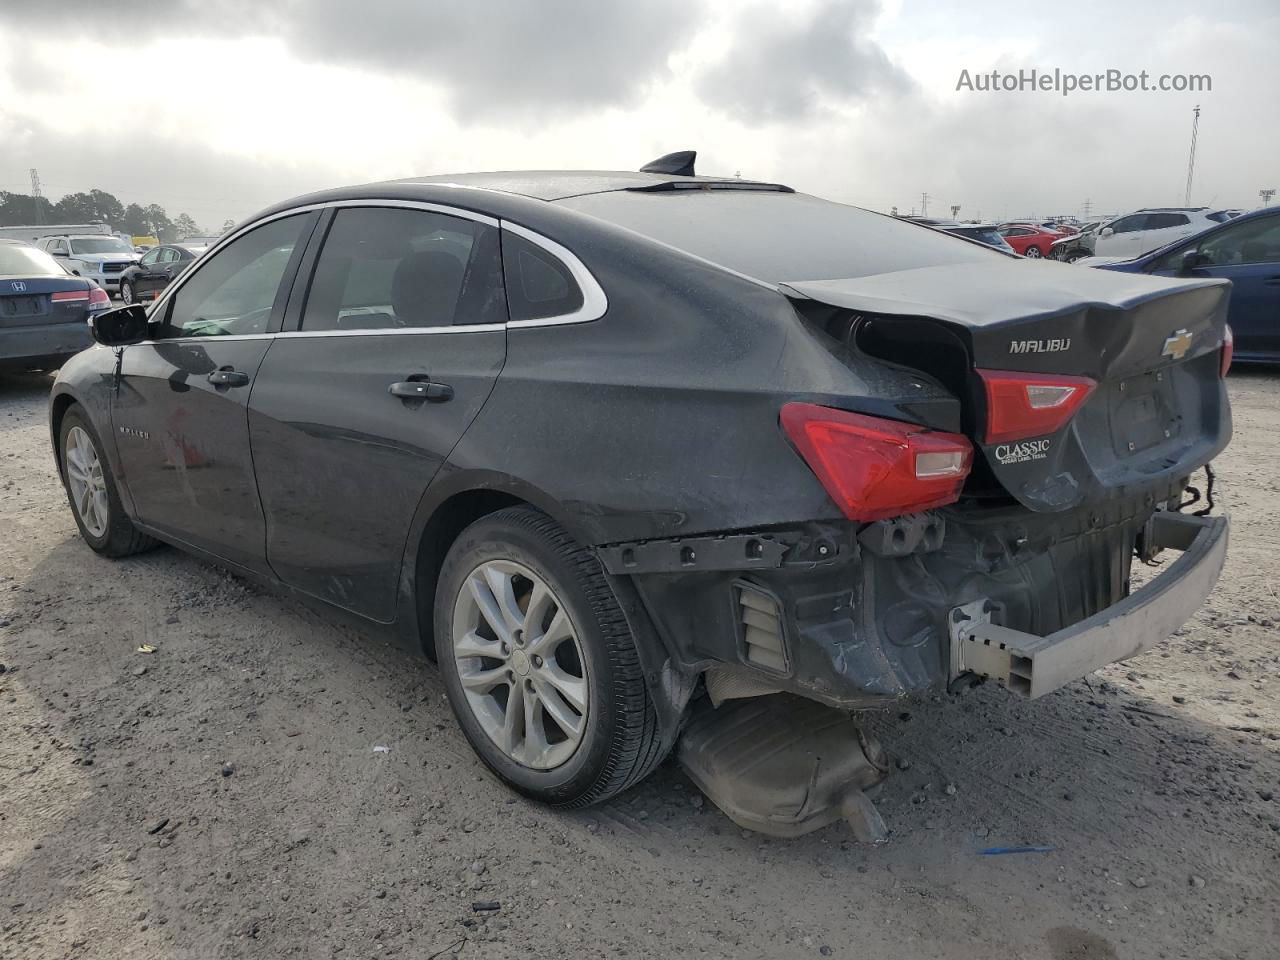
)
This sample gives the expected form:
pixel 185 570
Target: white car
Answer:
pixel 97 257
pixel 1143 230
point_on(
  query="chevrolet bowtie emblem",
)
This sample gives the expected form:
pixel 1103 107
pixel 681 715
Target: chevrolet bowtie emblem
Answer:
pixel 1177 345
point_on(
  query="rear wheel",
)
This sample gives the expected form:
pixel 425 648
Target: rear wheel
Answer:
pixel 127 294
pixel 539 663
pixel 1034 253
pixel 91 489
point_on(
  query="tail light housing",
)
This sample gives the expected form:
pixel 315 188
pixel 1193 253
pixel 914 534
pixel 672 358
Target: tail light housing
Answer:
pixel 874 468
pixel 1228 351
pixel 1022 405
pixel 99 299
pixel 69 296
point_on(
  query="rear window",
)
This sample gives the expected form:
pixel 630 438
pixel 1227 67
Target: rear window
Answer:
pixel 19 260
pixel 778 237
pixel 982 234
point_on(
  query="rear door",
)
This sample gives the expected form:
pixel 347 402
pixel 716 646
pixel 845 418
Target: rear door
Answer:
pixel 1162 228
pixel 393 341
pixel 181 426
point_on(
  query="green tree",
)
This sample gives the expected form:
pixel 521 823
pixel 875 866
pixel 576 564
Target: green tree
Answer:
pixel 160 220
pixel 20 209
pixel 134 222
pixel 186 226
pixel 96 205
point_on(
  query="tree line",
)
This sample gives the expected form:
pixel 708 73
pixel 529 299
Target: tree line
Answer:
pixel 19 209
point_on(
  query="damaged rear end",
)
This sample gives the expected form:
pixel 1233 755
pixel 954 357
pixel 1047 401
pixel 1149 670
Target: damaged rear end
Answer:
pixel 1088 406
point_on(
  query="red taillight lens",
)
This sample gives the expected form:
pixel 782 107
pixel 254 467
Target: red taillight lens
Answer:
pixel 99 299
pixel 1021 405
pixel 1228 351
pixel 69 296
pixel 875 468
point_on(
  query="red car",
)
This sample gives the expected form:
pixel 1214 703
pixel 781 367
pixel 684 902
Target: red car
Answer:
pixel 1029 239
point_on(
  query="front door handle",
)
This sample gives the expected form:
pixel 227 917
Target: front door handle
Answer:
pixel 226 377
pixel 421 390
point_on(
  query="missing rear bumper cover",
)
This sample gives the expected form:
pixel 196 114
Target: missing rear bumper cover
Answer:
pixel 1033 666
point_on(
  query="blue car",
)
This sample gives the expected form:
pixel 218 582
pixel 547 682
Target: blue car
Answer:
pixel 1245 251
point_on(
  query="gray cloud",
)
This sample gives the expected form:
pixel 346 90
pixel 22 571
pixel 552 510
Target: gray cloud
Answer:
pixel 789 69
pixel 496 60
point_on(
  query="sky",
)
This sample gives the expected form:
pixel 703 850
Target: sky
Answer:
pixel 218 108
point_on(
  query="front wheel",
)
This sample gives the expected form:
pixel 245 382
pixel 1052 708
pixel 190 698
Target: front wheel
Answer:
pixel 91 489
pixel 127 295
pixel 539 663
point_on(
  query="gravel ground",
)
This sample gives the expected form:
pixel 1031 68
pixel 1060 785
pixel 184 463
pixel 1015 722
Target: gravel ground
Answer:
pixel 222 796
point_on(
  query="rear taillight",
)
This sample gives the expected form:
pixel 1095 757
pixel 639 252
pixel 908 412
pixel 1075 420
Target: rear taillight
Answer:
pixel 1022 405
pixel 875 468
pixel 99 299
pixel 1228 351
pixel 69 296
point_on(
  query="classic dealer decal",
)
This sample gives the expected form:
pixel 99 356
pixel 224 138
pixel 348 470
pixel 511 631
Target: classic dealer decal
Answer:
pixel 1022 452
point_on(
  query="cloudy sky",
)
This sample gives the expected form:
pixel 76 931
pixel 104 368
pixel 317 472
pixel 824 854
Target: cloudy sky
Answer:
pixel 219 107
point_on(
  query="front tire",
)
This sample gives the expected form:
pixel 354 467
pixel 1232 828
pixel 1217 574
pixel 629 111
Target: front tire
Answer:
pixel 539 663
pixel 92 491
pixel 127 295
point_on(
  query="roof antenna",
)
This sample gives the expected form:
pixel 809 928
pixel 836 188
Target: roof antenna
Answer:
pixel 678 164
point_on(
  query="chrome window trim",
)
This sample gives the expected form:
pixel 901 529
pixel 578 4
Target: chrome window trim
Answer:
pixel 594 301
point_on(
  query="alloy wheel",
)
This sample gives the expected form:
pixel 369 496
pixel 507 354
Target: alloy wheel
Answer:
pixel 520 664
pixel 126 292
pixel 88 486
pixel 1033 253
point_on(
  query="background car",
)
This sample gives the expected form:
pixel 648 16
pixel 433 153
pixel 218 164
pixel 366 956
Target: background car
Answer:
pixel 152 273
pixel 1244 250
pixel 1029 239
pixel 1151 228
pixel 43 309
pixel 100 258
pixel 982 232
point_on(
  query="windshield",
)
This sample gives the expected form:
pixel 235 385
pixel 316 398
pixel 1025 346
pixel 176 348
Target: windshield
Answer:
pixel 779 237
pixel 100 245
pixel 20 260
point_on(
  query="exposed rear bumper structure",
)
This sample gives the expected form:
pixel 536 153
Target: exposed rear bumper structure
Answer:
pixel 1033 666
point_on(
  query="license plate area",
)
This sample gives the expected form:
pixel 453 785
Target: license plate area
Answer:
pixel 21 306
pixel 1143 412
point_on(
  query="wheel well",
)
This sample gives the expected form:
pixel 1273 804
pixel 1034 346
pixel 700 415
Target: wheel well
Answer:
pixel 449 520
pixel 61 404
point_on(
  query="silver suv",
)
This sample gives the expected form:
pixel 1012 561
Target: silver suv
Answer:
pixel 96 257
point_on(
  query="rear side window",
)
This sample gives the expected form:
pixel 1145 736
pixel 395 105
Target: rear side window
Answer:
pixel 539 286
pixel 388 268
pixel 1159 221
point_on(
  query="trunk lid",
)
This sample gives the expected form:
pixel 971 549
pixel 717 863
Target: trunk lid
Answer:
pixel 1152 345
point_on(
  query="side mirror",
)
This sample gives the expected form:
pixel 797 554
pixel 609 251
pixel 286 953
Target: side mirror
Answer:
pixel 1106 232
pixel 120 327
pixel 1193 260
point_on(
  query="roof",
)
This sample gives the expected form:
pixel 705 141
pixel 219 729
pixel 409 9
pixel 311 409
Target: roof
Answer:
pixel 561 184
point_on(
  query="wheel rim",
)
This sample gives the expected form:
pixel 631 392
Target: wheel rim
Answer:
pixel 1033 252
pixel 520 664
pixel 88 487
pixel 126 292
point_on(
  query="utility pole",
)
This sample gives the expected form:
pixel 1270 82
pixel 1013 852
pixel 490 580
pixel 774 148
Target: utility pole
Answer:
pixel 955 211
pixel 1191 160
pixel 1266 196
pixel 1087 206
pixel 36 196
pixel 924 204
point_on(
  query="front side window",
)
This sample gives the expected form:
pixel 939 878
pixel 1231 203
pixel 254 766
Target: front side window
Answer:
pixel 233 293
pixel 149 258
pixel 1129 224
pixel 394 268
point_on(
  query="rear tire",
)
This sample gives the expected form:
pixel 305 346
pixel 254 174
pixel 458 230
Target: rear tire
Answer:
pixel 1034 253
pixel 92 492
pixel 584 728
pixel 126 293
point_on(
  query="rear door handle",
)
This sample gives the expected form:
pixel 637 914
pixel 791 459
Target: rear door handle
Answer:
pixel 226 377
pixel 421 390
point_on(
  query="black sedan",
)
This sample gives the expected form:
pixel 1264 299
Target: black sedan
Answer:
pixel 611 447
pixel 155 270
pixel 43 309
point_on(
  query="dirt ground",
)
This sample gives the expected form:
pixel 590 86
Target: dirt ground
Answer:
pixel 222 797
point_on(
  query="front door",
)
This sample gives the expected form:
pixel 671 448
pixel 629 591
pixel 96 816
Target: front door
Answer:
pixel 179 415
pixel 394 353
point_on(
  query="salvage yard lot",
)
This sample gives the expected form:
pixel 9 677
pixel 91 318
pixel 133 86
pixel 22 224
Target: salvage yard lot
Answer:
pixel 221 797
